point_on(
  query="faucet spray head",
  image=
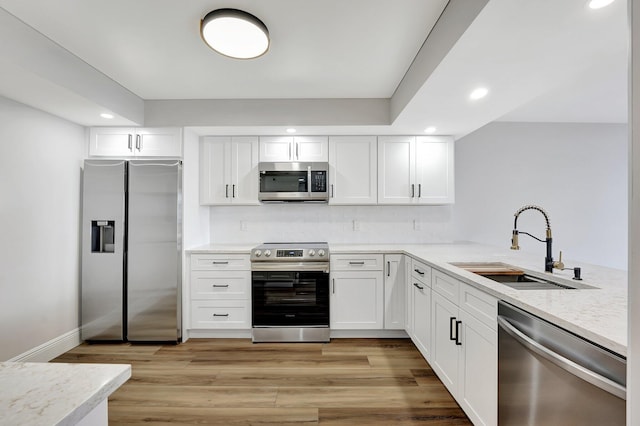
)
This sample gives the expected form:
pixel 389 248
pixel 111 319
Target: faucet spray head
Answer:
pixel 514 240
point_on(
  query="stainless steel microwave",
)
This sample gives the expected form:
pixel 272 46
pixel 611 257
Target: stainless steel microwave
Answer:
pixel 293 181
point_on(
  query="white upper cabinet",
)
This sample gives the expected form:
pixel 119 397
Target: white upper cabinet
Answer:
pixel 396 169
pixel 415 170
pixel 353 174
pixel 434 170
pixel 229 170
pixel 136 142
pixel 294 148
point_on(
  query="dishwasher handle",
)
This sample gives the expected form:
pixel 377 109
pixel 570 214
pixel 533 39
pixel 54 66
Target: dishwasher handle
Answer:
pixel 566 364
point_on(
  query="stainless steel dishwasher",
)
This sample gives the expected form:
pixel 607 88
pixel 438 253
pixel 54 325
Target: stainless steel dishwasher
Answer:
pixel 549 376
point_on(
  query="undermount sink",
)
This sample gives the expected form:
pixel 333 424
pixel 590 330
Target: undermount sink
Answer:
pixel 518 278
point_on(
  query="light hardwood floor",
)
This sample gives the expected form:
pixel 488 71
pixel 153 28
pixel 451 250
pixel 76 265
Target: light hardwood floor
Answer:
pixel 235 382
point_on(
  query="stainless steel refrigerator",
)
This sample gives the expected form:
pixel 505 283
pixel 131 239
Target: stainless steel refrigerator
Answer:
pixel 131 250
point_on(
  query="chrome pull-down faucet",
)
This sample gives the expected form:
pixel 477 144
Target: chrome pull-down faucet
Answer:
pixel 549 264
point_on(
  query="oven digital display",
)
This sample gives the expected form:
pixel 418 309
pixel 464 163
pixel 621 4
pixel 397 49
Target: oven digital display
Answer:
pixel 289 253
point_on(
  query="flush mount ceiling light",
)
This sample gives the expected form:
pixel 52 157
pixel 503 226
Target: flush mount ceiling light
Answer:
pixel 478 93
pixel 235 33
pixel 598 4
pixel 291 130
pixel 430 130
pixel 106 115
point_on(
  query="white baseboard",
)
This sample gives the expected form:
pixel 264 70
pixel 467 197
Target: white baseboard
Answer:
pixel 51 349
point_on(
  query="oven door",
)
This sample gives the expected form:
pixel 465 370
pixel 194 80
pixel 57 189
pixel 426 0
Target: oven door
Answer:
pixel 290 298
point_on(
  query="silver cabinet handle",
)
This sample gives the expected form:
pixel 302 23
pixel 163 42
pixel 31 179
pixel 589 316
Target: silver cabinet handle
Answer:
pixel 220 315
pixel 297 156
pixel 333 286
pixel 419 271
pixel 332 194
pixel 413 190
pixel 130 142
pixel 220 262
pixel 419 286
pixel 388 268
pixel 566 364
pixel 290 157
pixel 233 191
pixel 226 191
pixel 357 263
pixel 221 285
pixel 419 190
pixel 138 143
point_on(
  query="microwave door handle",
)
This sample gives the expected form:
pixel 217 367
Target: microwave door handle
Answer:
pixel 309 180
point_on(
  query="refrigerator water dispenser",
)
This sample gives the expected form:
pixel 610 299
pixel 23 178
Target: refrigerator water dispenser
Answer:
pixel 103 236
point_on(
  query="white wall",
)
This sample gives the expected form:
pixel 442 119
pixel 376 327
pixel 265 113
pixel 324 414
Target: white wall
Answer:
pixel 40 162
pixel 577 172
pixel 335 224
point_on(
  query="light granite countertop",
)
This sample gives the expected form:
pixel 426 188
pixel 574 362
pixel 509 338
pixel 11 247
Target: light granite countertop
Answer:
pixel 55 394
pixel 598 314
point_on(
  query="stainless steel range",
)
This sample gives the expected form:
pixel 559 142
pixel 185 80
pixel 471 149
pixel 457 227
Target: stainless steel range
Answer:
pixel 290 292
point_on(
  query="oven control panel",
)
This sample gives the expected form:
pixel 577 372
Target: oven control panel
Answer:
pixel 289 253
pixel 296 252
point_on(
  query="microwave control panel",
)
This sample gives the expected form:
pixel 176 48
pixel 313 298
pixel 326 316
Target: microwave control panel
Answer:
pixel 318 181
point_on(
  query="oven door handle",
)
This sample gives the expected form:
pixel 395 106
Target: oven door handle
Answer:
pixel 291 266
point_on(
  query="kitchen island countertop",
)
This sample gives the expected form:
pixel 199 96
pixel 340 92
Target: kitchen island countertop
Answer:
pixel 54 393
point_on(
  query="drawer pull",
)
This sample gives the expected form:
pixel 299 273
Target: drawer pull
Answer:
pixel 419 271
pixel 357 263
pixel 221 285
pixel 220 315
pixel 217 262
pixel 419 286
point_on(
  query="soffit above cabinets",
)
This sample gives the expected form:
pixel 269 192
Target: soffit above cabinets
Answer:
pixel 334 66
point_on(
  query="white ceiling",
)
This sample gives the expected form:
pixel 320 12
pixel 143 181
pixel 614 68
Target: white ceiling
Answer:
pixel 543 60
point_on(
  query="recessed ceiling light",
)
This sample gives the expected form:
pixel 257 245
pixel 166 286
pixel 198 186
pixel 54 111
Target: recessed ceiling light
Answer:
pixel 291 130
pixel 598 4
pixel 430 130
pixel 106 115
pixel 235 33
pixel 478 93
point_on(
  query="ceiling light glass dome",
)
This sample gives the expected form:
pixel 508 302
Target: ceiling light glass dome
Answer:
pixel 235 33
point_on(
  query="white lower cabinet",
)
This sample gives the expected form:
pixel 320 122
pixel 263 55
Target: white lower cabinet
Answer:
pixel 420 307
pixel 464 346
pixel 394 292
pixel 220 291
pixel 357 292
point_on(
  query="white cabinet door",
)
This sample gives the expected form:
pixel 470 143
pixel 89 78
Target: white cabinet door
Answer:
pixel 445 351
pixel 229 170
pixel 396 169
pixel 394 292
pixel 421 317
pixel 111 141
pixel 159 142
pixel 140 142
pixel 215 170
pixel 478 387
pixel 244 170
pixel 353 170
pixel 434 170
pixel 276 148
pixel 310 148
pixel 357 300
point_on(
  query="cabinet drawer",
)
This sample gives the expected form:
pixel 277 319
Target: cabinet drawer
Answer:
pixel 221 314
pixel 222 261
pixel 356 262
pixel 447 286
pixel 481 305
pixel 220 284
pixel 420 272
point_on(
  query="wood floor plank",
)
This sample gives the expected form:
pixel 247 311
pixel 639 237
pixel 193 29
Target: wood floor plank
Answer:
pixel 236 382
pixel 195 396
pixel 393 416
pixel 378 397
pixel 212 416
